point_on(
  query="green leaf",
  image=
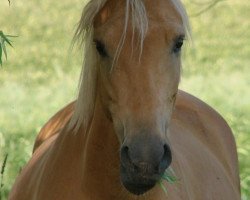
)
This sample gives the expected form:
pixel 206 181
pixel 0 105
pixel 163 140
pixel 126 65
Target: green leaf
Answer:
pixel 168 176
pixel 4 48
pixel 169 179
pixel 6 40
pixel 4 164
pixel 11 36
pixel 1 54
pixel 163 187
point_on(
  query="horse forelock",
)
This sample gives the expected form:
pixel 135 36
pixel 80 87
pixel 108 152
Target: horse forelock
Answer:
pixel 85 103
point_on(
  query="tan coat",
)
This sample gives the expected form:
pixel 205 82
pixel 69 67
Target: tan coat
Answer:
pixel 65 166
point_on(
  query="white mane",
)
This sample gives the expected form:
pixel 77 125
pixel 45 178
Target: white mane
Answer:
pixel 85 103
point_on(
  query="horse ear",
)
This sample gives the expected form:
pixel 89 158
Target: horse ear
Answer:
pixel 102 16
pixel 104 13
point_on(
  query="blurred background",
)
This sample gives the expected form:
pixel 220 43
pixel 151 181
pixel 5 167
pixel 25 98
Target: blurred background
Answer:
pixel 41 74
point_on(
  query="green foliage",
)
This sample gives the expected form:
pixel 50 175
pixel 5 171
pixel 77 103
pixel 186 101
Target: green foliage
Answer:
pixel 41 75
pixel 169 177
pixel 2 174
pixel 3 40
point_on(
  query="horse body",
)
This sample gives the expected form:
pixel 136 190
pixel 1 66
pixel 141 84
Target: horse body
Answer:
pixel 87 166
pixel 129 122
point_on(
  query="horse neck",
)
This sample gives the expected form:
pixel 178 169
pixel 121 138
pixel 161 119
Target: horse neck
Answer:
pixel 101 157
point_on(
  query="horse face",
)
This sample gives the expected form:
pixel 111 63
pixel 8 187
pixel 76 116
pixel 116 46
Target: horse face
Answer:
pixel 138 89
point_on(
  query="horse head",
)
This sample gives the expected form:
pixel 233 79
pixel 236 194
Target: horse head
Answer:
pixel 136 46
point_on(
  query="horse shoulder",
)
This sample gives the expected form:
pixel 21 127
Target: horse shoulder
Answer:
pixel 27 183
pixel 54 125
pixel 211 129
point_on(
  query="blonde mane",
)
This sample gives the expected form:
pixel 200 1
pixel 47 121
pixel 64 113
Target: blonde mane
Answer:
pixel 85 104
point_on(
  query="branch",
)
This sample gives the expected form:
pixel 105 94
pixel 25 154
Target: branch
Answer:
pixel 208 7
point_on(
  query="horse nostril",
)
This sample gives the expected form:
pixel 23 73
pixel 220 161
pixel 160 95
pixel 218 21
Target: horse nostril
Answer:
pixel 125 149
pixel 167 151
pixel 166 159
pixel 125 158
pixel 167 154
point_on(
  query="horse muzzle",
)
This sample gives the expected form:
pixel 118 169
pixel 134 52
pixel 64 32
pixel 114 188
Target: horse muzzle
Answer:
pixel 143 162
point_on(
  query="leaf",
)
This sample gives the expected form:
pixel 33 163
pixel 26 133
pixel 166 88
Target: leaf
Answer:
pixel 4 164
pixel 1 54
pixel 169 179
pixel 11 36
pixel 4 48
pixel 2 172
pixel 6 40
pixel 168 176
pixel 163 187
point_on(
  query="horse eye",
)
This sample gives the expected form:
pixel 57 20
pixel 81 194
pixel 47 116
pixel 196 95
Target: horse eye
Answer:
pixel 100 47
pixel 178 44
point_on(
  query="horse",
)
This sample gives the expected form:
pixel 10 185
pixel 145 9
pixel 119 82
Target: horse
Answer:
pixel 130 122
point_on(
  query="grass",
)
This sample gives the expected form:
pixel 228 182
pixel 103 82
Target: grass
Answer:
pixel 169 177
pixel 41 74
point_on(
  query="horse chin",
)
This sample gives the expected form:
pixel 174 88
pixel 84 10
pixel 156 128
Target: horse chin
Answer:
pixel 137 184
pixel 137 188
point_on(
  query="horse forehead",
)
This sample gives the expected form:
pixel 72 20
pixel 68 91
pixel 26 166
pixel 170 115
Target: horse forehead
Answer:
pixel 156 10
pixel 161 10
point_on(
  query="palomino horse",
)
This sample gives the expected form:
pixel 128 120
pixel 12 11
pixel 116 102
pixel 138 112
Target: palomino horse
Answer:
pixel 130 122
